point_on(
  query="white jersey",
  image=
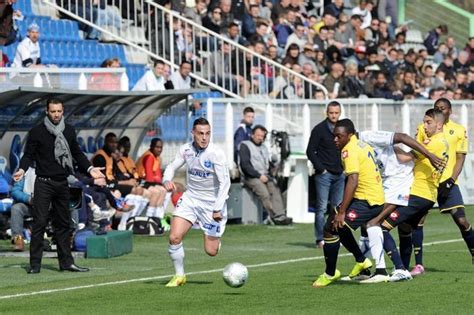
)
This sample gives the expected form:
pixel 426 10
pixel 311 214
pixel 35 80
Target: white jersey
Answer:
pixel 207 174
pixel 149 82
pixel 26 51
pixel 382 143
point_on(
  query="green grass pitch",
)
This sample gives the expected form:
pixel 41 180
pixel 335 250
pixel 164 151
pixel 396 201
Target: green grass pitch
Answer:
pixel 283 262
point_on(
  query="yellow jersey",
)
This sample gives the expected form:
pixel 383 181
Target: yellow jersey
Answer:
pixel 426 177
pixel 456 136
pixel 359 158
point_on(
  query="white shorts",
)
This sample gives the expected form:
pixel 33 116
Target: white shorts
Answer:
pixel 195 210
pixel 397 189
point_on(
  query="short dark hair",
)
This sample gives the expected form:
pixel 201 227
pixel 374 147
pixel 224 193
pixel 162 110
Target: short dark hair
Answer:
pixel 435 113
pixel 334 104
pixel 109 136
pixel 154 141
pixel 248 109
pixel 185 62
pixel 444 101
pixel 123 141
pixel 259 127
pixel 158 62
pixel 201 121
pixel 53 100
pixel 347 124
pixel 232 24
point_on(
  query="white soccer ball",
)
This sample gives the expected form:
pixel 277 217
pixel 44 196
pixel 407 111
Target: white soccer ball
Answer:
pixel 235 275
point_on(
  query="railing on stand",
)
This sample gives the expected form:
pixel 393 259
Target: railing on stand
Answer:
pixel 218 62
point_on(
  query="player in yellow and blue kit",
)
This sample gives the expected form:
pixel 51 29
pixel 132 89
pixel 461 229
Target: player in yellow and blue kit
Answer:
pixel 363 200
pixel 424 190
pixel 449 196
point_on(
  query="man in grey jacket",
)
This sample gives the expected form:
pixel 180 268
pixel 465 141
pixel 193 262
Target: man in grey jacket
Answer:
pixel 254 160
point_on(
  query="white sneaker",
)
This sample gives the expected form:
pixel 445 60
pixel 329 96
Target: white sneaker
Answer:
pixel 376 279
pixel 400 275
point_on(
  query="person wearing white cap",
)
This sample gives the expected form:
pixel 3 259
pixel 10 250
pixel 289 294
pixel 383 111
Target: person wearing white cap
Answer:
pixel 28 51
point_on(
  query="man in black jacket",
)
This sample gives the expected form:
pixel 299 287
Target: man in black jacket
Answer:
pixel 53 146
pixel 326 159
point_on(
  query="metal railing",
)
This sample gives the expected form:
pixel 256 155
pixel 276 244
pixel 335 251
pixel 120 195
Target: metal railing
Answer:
pixel 218 62
pixel 98 79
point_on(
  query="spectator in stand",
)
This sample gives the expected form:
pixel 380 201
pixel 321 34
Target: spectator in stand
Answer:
pixel 409 62
pixel 461 80
pixel 359 57
pixel 196 13
pixel 321 40
pixel 181 79
pixel 321 62
pixel 255 165
pixel 352 84
pixel 382 89
pixel 364 9
pixel 447 66
pixel 292 55
pixel 372 33
pixel 233 33
pixel 213 20
pixel 8 34
pixel 249 23
pixel 153 79
pixel 334 81
pixel 453 51
pixel 460 94
pixel 328 20
pixel 28 53
pixel 383 32
pixel 280 9
pixel 436 93
pixel 244 131
pixel 354 31
pixel 106 81
pixel 461 62
pixel 335 8
pixel 298 37
pixel 22 194
pixel 432 38
pixel 440 53
pixel 283 30
pixel 410 89
pixel 228 16
pixel 387 10
pixel 265 9
pixel 399 41
pixel 307 60
pixel 470 49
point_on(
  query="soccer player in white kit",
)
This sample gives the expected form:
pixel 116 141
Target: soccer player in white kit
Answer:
pixel 396 167
pixel 203 202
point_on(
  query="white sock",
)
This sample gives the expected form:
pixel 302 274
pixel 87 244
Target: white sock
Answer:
pixel 150 211
pixel 364 246
pixel 177 257
pixel 159 212
pixel 376 246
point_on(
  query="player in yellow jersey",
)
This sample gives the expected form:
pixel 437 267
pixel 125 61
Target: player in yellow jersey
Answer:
pixel 449 196
pixel 363 200
pixel 424 190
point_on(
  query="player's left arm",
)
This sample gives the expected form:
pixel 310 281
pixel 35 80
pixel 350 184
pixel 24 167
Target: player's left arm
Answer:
pixel 349 190
pixel 222 174
pixel 460 158
pixel 437 162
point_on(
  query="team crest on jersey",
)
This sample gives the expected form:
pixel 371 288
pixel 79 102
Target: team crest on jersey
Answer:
pixel 394 215
pixel 426 141
pixel 351 215
pixel 345 154
pixel 451 132
pixel 208 164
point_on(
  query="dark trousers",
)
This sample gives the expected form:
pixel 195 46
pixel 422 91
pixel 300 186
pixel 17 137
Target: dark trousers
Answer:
pixel 51 195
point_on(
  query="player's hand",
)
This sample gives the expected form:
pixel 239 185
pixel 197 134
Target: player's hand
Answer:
pixel 100 182
pixel 338 222
pixel 96 172
pixel 437 163
pixel 169 186
pixel 217 216
pixel 445 187
pixel 18 175
pixel 264 179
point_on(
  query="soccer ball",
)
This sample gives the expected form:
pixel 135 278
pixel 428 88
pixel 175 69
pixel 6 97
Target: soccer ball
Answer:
pixel 235 275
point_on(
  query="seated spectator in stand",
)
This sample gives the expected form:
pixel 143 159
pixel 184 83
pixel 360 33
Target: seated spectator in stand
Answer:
pixel 153 79
pixel 283 29
pixel 470 49
pixel 364 9
pixel 254 161
pixel 233 33
pixel 227 15
pixel 334 81
pixel 352 84
pixel 22 194
pixel 106 16
pixel 106 81
pixel 249 23
pixel 308 57
pixel 196 13
pixel 213 20
pixel 181 79
pixel 335 8
pixel 28 53
pixel 461 63
pixel 244 131
pixel 292 55
pixel 382 89
pixel 8 34
pixel 298 37
pixel 432 38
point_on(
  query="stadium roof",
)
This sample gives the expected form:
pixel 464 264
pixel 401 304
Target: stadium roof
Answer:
pixel 23 108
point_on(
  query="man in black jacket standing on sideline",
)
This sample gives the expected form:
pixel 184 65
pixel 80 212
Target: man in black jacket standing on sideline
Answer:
pixel 53 146
pixel 326 159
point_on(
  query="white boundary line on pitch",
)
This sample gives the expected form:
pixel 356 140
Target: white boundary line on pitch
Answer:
pixel 103 284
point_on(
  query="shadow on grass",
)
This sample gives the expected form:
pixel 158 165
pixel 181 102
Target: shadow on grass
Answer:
pixel 187 282
pixel 233 293
pixel 303 244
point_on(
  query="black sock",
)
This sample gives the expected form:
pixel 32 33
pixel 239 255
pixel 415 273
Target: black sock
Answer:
pixel 381 271
pixel 331 250
pixel 417 241
pixel 405 249
pixel 468 237
pixel 349 242
pixel 391 249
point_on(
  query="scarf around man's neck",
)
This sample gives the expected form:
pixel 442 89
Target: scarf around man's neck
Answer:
pixel 62 153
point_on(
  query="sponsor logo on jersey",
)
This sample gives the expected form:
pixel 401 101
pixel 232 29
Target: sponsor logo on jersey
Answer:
pixel 403 197
pixel 208 164
pixel 394 215
pixel 345 154
pixel 198 173
pixel 351 215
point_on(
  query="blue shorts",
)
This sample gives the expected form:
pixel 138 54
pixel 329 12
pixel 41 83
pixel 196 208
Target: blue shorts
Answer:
pixel 359 213
pixel 453 201
pixel 411 214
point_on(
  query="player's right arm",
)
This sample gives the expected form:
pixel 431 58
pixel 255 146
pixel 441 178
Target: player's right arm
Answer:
pixel 171 169
pixel 437 162
pixel 349 190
